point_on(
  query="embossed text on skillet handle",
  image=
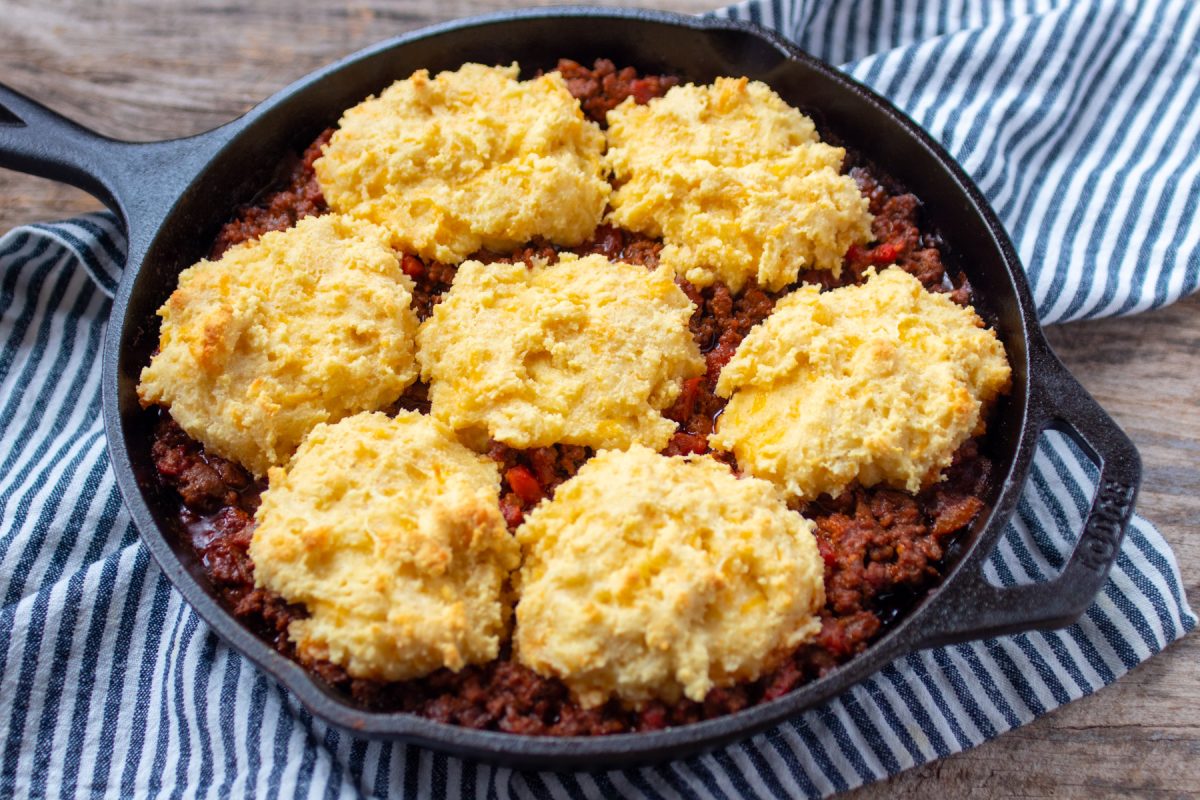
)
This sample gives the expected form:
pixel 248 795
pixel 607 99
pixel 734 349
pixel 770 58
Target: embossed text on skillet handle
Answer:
pixel 974 608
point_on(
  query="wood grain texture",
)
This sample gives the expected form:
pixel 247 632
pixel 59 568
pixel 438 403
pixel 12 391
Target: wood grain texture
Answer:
pixel 146 69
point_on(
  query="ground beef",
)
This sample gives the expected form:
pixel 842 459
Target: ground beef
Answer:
pixel 430 281
pixel 900 240
pixel 527 476
pixel 415 398
pixel 204 482
pixel 883 549
pixel 618 245
pixel 298 196
pixel 537 250
pixel 719 324
pixel 604 87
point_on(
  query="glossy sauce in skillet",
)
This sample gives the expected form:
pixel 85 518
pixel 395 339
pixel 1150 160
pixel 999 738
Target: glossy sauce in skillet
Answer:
pixel 883 549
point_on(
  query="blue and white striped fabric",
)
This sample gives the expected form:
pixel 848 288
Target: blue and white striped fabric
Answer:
pixel 1079 122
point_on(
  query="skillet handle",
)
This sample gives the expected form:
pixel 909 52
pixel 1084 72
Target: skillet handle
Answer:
pixel 139 181
pixel 977 609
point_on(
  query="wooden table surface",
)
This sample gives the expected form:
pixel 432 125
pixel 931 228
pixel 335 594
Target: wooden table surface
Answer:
pixel 145 69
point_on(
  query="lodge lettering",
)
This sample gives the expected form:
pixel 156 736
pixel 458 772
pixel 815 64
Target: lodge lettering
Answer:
pixel 1103 530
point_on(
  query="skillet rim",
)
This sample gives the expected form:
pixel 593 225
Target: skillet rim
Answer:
pixel 564 752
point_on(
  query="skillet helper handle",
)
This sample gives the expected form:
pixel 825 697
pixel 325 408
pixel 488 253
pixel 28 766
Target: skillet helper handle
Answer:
pixel 978 609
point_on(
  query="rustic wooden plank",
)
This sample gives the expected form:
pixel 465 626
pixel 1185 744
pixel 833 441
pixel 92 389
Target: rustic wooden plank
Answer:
pixel 143 69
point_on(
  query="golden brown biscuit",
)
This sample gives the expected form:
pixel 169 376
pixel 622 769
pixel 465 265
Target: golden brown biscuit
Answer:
pixel 736 182
pixel 302 326
pixel 648 577
pixel 583 352
pixel 878 383
pixel 389 532
pixel 468 159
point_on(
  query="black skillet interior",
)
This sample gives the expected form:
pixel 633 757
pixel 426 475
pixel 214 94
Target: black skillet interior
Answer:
pixel 175 195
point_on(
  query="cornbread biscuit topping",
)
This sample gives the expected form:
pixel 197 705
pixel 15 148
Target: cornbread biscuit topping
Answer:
pixel 648 577
pixel 468 159
pixel 388 531
pixel 736 182
pixel 658 590
pixel 303 326
pixel 582 352
pixel 878 383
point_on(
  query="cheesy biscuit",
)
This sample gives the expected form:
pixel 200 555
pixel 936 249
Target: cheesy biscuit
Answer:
pixel 649 577
pixel 302 326
pixel 582 352
pixel 736 182
pixel 389 532
pixel 878 383
pixel 468 159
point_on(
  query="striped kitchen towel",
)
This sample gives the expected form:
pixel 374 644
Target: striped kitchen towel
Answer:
pixel 1078 120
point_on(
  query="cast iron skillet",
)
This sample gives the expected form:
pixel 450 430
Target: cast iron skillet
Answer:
pixel 174 195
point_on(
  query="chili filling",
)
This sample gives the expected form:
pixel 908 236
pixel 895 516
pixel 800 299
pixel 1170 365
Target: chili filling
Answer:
pixel 882 548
